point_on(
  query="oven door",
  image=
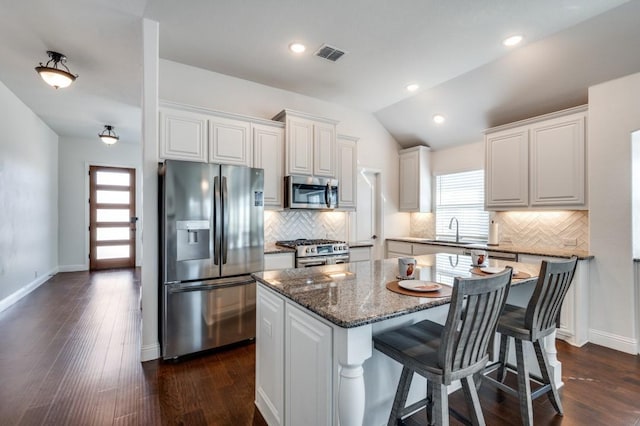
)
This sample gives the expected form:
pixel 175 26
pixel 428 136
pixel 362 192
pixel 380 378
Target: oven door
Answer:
pixel 305 192
pixel 307 262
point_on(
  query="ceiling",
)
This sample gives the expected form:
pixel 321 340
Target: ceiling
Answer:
pixel 451 49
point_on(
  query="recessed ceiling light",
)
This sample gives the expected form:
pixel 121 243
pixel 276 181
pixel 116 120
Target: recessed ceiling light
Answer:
pixel 412 87
pixel 438 118
pixel 512 41
pixel 297 47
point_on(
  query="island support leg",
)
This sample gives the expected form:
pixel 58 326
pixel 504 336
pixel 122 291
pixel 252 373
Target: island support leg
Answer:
pixel 353 346
pixel 552 356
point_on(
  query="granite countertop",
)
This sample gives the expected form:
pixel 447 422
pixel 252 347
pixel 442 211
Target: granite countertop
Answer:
pixel 272 248
pixel 355 294
pixel 508 248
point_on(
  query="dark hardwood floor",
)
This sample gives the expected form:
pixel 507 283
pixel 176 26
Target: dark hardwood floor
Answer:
pixel 70 356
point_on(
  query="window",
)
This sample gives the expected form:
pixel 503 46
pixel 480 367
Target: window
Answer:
pixel 461 195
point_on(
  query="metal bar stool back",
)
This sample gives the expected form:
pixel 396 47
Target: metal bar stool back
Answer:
pixel 442 354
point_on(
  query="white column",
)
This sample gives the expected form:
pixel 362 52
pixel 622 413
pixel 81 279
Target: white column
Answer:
pixel 352 347
pixel 552 356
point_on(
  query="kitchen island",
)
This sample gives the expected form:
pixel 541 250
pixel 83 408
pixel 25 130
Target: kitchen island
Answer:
pixel 315 362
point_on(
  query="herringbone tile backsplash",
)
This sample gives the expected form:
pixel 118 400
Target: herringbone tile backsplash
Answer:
pixel 291 225
pixel 534 229
pixel 545 229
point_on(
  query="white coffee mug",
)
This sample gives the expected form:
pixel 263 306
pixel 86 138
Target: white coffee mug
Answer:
pixel 407 268
pixel 478 257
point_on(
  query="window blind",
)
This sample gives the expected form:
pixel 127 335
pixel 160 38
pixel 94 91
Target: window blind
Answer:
pixel 461 195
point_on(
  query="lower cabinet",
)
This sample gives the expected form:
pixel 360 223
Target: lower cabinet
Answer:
pixel 359 254
pixel 402 249
pixel 299 394
pixel 270 356
pixel 308 347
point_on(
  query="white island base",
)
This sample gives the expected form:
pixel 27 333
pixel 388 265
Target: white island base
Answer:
pixel 312 372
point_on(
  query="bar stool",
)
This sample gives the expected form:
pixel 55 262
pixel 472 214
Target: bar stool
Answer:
pixel 531 324
pixel 455 351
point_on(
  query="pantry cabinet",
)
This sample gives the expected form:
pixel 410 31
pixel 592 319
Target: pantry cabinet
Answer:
pixel 346 171
pixel 310 144
pixel 537 163
pixel 415 180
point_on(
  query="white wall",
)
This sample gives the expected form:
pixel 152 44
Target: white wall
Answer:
pixel 29 199
pixel 462 158
pixel 614 113
pixel 75 156
pixel 376 148
pixel 635 190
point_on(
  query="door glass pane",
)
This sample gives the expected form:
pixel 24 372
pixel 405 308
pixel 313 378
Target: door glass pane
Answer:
pixel 112 215
pixel 110 234
pixel 112 252
pixel 112 197
pixel 112 178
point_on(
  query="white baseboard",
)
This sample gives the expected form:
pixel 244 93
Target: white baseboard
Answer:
pixel 14 297
pixel 73 268
pixel 613 341
pixel 150 352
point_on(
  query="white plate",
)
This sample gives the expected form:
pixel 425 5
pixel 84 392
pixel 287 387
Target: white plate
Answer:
pixel 418 285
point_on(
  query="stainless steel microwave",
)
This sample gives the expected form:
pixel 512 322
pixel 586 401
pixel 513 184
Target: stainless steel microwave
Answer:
pixel 306 192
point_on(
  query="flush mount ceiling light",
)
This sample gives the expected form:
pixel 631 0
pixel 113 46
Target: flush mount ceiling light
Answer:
pixel 52 74
pixel 297 47
pixel 512 41
pixel 438 118
pixel 412 87
pixel 108 136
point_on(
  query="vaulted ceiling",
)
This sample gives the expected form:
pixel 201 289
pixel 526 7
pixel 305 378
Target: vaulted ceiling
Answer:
pixel 451 49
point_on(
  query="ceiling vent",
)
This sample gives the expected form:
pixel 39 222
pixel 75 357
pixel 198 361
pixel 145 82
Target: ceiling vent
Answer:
pixel 329 53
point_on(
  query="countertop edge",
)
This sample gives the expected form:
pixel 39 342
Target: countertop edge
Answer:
pixel 560 253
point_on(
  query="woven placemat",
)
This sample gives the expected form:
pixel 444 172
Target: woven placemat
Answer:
pixel 445 291
pixel 519 276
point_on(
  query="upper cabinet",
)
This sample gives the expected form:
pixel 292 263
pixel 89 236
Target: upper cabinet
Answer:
pixel 197 134
pixel 310 144
pixel 229 141
pixel 268 154
pixel 183 135
pixel 346 172
pixel 537 163
pixel 415 180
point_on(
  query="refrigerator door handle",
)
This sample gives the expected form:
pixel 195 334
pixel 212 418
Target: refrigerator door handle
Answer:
pixel 225 220
pixel 208 287
pixel 216 221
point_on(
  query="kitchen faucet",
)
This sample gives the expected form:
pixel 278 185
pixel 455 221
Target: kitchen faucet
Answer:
pixel 457 228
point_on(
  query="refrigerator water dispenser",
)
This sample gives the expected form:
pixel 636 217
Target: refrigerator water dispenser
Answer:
pixel 193 239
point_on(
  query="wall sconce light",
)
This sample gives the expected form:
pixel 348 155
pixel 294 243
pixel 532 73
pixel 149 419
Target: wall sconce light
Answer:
pixel 108 136
pixel 52 74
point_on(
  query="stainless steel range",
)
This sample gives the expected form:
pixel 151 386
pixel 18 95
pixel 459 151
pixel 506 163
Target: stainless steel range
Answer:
pixel 317 252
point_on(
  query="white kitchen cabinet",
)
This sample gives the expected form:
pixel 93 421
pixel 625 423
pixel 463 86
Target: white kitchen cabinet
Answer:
pixel 558 161
pixel 270 356
pixel 183 135
pixel 310 144
pixel 229 141
pixel 275 261
pixel 415 180
pixel 537 163
pixel 574 323
pixel 346 171
pixel 359 254
pixel 420 249
pixel 268 154
pixel 507 172
pixel 308 378
pixel 398 249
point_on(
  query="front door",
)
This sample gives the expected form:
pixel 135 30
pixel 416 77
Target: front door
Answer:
pixel 112 227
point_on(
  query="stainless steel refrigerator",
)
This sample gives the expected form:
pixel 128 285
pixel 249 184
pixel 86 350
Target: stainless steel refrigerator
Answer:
pixel 211 226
